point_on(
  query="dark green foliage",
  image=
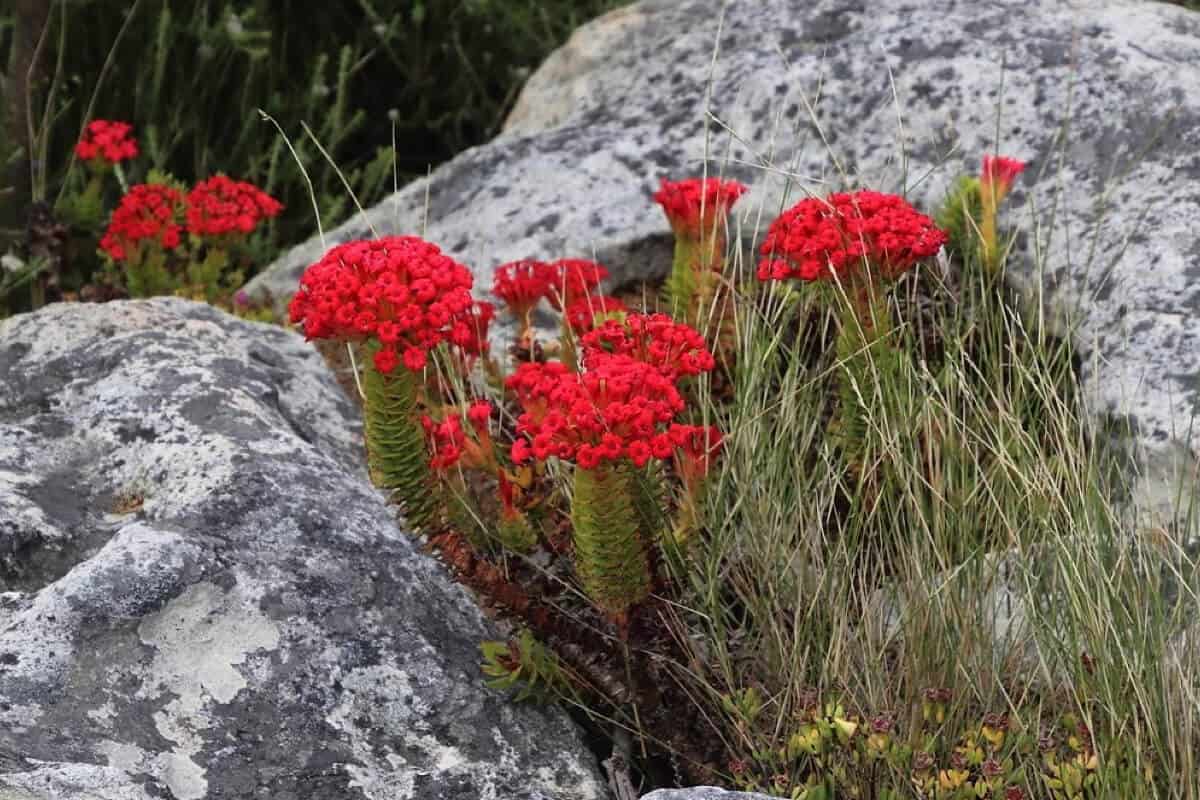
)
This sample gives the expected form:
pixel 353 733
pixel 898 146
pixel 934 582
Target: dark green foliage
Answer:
pixel 192 75
pixel 388 88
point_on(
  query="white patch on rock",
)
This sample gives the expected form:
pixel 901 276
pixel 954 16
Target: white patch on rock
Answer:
pixel 200 637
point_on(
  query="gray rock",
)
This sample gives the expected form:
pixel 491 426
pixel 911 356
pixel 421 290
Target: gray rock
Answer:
pixel 202 596
pixel 703 793
pixel 809 95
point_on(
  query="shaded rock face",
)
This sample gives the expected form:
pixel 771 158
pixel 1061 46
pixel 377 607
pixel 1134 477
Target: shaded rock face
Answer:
pixel 1098 96
pixel 202 596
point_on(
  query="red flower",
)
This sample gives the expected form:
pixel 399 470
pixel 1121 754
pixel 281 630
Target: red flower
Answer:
pixel 471 332
pixel 220 206
pixel 521 284
pixel 446 441
pixel 107 142
pixel 694 205
pixel 815 239
pixel 998 173
pixel 672 348
pixel 581 315
pixel 480 415
pixel 399 290
pixel 572 279
pixel 148 212
pixel 620 408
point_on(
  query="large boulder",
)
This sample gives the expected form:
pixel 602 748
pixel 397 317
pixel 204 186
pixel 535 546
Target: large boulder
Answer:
pixel 202 596
pixel 797 96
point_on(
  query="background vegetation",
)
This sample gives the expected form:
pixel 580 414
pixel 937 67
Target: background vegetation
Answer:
pixel 431 77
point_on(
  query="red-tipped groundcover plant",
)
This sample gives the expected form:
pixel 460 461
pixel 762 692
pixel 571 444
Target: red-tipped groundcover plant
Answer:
pixel 396 298
pixel 697 209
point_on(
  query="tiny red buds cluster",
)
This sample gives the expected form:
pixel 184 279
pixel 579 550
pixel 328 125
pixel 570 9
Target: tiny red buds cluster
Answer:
pixel 674 349
pixel 106 142
pixel 693 206
pixel 399 290
pixel 220 206
pixel 620 408
pixel 816 239
pixel 446 440
pixel 149 212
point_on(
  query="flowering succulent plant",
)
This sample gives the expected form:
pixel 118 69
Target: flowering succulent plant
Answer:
pixel 969 213
pixel 220 207
pixel 397 297
pixel 672 348
pixel 696 209
pixel 858 240
pixel 611 420
pixel 583 315
pixel 854 236
pixel 145 226
pixel 399 292
pixel 572 280
pixel 105 143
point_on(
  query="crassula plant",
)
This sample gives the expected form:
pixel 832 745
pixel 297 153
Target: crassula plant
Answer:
pixel 860 242
pixel 163 238
pixel 395 299
pixel 221 214
pixel 697 209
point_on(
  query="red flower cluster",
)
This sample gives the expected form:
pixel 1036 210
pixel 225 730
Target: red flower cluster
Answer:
pixel 449 442
pixel 581 315
pixel 998 173
pixel 672 348
pixel 400 290
pixel 445 439
pixel 148 211
pixel 220 206
pixel 694 205
pixel 573 279
pixel 107 141
pixel 620 408
pixel 521 284
pixel 815 239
